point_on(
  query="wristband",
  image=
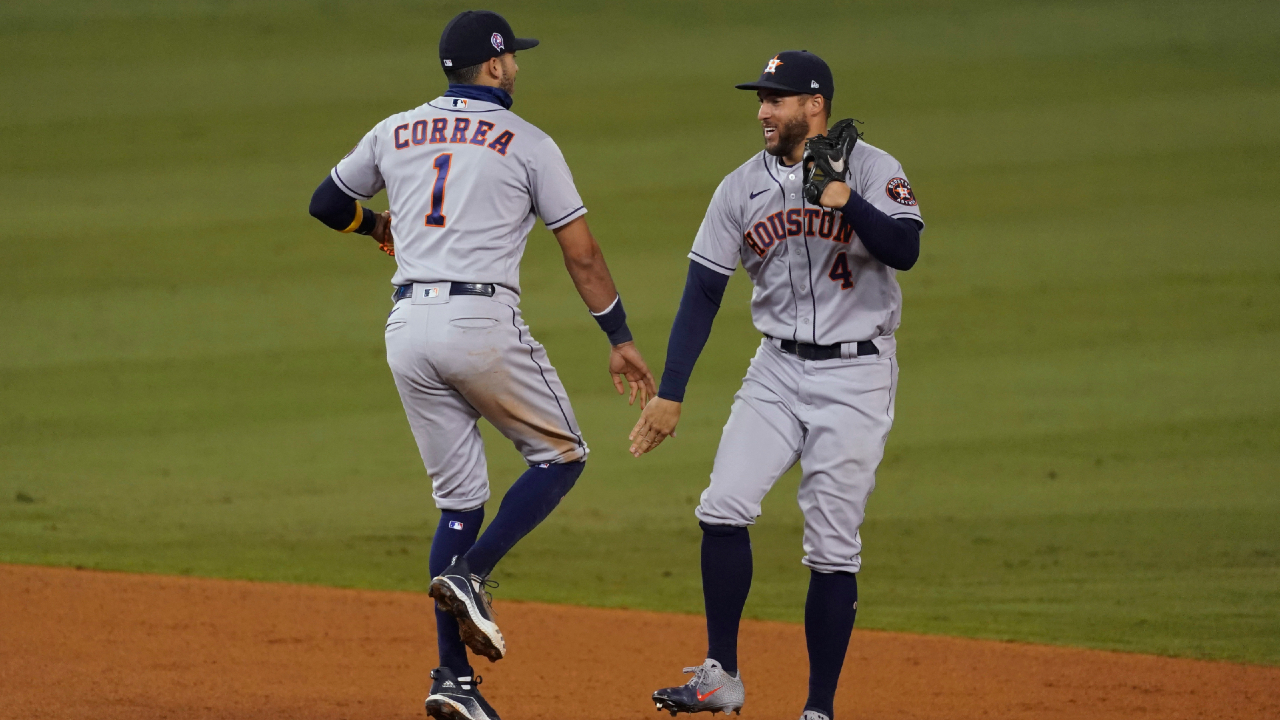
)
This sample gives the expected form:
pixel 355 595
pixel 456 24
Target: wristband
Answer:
pixel 368 221
pixel 356 219
pixel 613 321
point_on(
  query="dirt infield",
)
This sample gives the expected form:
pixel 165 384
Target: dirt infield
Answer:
pixel 80 644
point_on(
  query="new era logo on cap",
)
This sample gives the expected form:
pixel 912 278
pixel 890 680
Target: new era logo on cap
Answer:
pixel 794 72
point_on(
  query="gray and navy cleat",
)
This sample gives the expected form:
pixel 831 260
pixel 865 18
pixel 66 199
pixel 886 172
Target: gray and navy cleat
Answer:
pixel 463 596
pixel 457 698
pixel 813 715
pixel 711 690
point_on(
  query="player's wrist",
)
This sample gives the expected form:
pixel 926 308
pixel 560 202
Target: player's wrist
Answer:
pixel 368 221
pixel 613 321
pixel 836 195
pixel 671 390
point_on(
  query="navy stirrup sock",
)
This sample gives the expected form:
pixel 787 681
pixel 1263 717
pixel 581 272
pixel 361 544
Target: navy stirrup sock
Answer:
pixel 455 535
pixel 726 580
pixel 828 622
pixel 529 501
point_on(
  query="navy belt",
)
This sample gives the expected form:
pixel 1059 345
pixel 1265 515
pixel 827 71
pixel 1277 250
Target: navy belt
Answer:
pixel 807 351
pixel 484 289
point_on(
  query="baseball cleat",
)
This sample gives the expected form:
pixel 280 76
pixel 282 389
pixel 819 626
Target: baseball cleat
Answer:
pixel 813 715
pixel 462 595
pixel 457 698
pixel 710 690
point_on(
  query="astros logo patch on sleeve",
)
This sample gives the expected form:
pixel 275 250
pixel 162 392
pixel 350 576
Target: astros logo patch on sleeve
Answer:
pixel 899 191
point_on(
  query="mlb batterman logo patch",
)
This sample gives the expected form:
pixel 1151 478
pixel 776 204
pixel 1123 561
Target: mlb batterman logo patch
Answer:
pixel 496 39
pixel 899 191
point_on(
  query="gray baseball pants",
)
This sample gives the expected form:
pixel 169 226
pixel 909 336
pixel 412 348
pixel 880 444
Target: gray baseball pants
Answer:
pixel 831 415
pixel 456 359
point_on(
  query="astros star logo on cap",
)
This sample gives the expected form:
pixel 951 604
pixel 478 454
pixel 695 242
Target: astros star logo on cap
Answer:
pixel 773 65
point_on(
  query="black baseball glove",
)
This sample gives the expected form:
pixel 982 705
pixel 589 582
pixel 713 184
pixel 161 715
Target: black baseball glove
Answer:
pixel 826 158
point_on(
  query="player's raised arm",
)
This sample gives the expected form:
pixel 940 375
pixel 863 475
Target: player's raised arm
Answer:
pixel 585 262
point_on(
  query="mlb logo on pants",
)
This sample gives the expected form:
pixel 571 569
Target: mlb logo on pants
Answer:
pixel 455 525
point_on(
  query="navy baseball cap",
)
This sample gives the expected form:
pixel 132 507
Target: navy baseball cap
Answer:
pixel 474 36
pixel 795 72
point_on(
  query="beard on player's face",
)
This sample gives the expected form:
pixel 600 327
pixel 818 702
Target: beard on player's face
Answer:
pixel 783 134
pixel 507 83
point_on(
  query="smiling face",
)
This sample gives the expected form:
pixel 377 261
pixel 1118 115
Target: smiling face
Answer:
pixel 784 120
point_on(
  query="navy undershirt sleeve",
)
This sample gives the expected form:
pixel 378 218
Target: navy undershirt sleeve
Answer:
pixel 893 241
pixel 703 291
pixel 333 207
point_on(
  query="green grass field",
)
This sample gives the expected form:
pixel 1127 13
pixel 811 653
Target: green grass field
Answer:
pixel 1087 449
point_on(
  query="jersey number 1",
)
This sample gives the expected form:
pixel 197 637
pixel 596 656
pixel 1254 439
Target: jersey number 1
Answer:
pixel 435 218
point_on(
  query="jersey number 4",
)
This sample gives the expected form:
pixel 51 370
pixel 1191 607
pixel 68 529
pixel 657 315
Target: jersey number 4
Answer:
pixel 840 271
pixel 435 218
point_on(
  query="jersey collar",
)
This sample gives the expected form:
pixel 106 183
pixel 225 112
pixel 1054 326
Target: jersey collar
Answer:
pixel 483 93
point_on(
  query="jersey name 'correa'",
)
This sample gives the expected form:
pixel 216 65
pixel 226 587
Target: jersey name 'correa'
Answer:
pixel 505 171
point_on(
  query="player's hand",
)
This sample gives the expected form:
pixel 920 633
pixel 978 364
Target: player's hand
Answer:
pixel 657 421
pixel 626 362
pixel 826 162
pixel 382 234
pixel 835 196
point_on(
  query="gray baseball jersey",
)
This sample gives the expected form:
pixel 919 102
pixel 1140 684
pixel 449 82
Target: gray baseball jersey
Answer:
pixel 814 283
pixel 814 280
pixel 465 180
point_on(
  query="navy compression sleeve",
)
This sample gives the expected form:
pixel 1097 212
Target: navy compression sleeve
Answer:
pixel 333 207
pixel 893 241
pixel 703 291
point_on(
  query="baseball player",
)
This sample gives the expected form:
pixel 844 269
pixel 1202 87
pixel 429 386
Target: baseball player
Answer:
pixel 466 179
pixel 820 222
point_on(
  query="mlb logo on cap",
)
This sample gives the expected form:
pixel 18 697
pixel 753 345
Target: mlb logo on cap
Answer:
pixel 474 36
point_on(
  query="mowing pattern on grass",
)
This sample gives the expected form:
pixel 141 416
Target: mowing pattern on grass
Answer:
pixel 192 376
